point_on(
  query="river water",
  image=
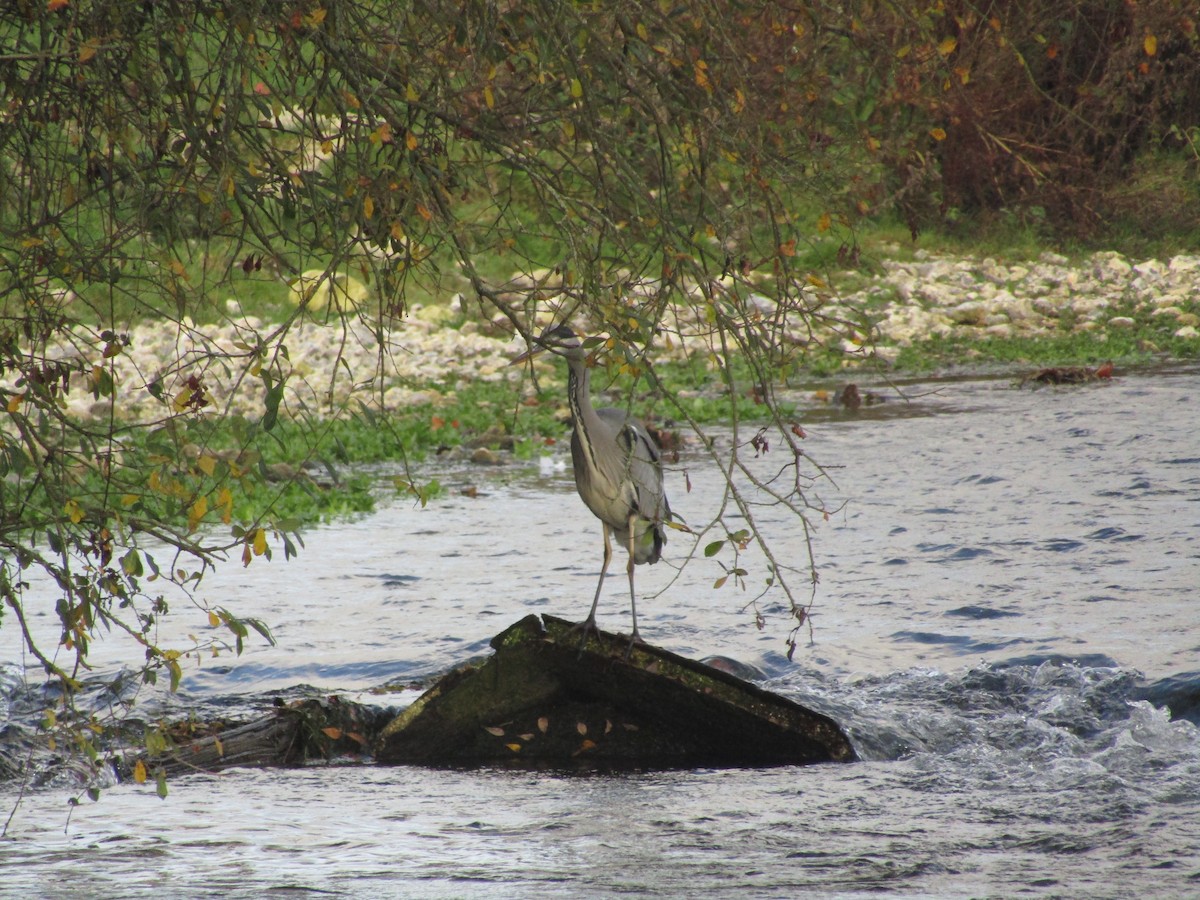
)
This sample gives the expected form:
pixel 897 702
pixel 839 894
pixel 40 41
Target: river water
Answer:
pixel 1006 625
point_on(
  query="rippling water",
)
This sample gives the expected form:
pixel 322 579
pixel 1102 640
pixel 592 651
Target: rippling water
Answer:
pixel 1006 625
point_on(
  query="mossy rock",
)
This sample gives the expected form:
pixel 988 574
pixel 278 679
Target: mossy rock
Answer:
pixel 542 700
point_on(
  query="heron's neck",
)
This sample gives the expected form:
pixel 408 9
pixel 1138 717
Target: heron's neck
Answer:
pixel 584 421
pixel 578 388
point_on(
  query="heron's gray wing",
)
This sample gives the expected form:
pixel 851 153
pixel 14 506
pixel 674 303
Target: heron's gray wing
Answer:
pixel 645 471
pixel 619 475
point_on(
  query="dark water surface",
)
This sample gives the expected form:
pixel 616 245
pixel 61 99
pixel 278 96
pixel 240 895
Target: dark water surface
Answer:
pixel 1007 625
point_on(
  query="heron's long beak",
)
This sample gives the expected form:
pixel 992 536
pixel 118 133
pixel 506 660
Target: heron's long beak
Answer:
pixel 527 355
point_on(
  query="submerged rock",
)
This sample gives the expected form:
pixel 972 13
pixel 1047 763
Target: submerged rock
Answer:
pixel 541 700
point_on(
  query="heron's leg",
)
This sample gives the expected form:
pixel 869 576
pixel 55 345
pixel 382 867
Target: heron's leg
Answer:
pixel 590 622
pixel 591 619
pixel 634 638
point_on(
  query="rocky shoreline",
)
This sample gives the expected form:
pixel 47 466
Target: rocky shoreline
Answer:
pixel 331 365
pixel 986 299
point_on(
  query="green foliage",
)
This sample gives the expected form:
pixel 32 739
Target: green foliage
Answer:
pixel 1034 110
pixel 1124 347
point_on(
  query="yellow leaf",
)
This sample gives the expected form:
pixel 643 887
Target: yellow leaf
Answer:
pixel 938 134
pixel 74 511
pixel 576 88
pixel 824 223
pixel 947 46
pixel 129 499
pixel 206 464
pixel 317 16
pixel 213 619
pixel 197 512
pixel 332 733
pixel 14 402
pixel 88 50
pixel 423 212
pixel 739 101
pixel 260 541
pixel 410 141
pixel 515 748
pixel 139 772
pixel 410 94
pixel 225 501
pixel 643 33
pixel 494 730
pixel 488 97
pixel 368 207
pixel 1150 45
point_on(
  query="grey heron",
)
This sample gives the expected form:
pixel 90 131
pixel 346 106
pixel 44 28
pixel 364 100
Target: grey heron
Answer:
pixel 618 471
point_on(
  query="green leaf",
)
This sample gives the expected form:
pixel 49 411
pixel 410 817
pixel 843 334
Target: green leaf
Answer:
pixel 131 563
pixel 714 548
pixel 262 628
pixel 176 674
pixel 273 399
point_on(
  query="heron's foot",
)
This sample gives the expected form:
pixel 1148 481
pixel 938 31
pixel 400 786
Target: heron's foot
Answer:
pixel 634 638
pixel 584 629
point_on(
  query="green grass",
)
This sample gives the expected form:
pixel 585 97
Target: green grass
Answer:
pixel 302 472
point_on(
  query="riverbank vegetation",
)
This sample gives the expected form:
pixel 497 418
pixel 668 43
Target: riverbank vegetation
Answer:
pixel 697 175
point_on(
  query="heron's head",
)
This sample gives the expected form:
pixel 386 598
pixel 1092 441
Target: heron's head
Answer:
pixel 561 339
